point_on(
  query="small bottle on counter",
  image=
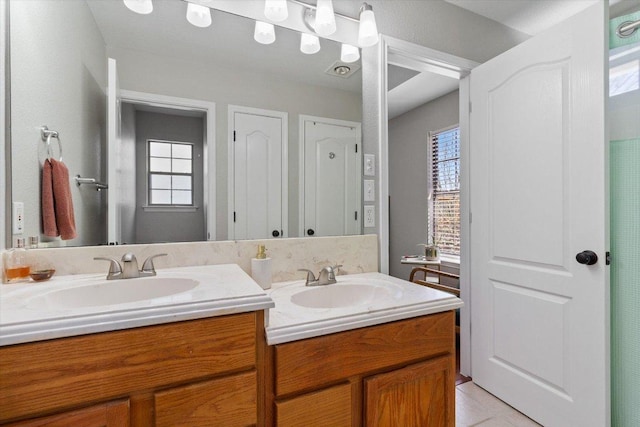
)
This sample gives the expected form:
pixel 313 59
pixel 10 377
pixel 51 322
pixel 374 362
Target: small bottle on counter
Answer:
pixel 15 265
pixel 261 268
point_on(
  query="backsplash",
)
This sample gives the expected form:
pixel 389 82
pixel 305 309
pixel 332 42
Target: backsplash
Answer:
pixel 357 254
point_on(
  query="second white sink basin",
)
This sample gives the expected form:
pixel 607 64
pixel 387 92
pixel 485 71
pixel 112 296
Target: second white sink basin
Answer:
pixel 111 292
pixel 340 295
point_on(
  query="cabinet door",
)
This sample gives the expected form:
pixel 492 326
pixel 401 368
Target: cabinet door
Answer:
pixel 112 414
pixel 418 395
pixel 328 408
pixel 229 401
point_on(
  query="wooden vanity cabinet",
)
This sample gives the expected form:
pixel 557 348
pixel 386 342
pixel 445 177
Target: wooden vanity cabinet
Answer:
pixel 194 373
pixel 395 374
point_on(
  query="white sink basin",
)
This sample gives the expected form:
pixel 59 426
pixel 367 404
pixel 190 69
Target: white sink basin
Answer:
pixel 112 292
pixel 342 295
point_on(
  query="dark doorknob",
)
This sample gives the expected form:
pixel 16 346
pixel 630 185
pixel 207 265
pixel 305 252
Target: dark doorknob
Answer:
pixel 275 233
pixel 587 257
pixel 310 232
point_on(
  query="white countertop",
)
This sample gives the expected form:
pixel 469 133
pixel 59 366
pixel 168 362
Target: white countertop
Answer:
pixel 222 289
pixel 290 322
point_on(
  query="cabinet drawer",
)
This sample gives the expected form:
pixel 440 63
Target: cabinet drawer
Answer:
pixel 39 377
pixel 312 363
pixel 328 408
pixel 111 414
pixel 229 402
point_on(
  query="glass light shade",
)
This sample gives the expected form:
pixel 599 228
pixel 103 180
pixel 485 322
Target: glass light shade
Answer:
pixel 325 24
pixel 368 30
pixel 276 10
pixel 142 7
pixel 264 33
pixel 309 44
pixel 198 15
pixel 349 53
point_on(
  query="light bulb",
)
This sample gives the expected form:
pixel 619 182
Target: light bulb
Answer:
pixel 264 33
pixel 276 10
pixel 198 15
pixel 325 19
pixel 368 30
pixel 309 43
pixel 142 7
pixel 349 53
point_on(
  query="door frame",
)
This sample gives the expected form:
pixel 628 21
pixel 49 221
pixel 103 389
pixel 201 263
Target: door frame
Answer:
pixel 301 161
pixel 284 117
pixel 411 55
pixel 208 143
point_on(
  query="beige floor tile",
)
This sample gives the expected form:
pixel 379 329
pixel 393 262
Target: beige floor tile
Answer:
pixel 494 422
pixel 491 403
pixel 468 411
pixel 519 420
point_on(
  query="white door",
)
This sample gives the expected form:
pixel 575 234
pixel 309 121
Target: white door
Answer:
pixel 332 177
pixel 259 186
pixel 540 320
pixel 113 153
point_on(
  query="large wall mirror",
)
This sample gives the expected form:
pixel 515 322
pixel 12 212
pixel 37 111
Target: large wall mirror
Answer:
pixel 172 78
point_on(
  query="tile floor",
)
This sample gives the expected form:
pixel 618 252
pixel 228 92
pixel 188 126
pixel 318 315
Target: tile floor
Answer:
pixel 476 407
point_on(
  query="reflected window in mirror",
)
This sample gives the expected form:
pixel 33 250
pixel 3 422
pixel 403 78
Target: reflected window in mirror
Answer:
pixel 170 173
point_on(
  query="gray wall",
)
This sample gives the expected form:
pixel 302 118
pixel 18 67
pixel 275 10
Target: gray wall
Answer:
pixel 153 226
pixel 70 45
pixel 127 189
pixel 144 72
pixel 408 176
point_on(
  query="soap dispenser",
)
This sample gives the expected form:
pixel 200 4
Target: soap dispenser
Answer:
pixel 261 268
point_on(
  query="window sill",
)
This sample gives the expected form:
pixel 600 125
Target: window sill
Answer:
pixel 173 209
pixel 451 260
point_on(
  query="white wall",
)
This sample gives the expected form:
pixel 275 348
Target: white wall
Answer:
pixel 408 175
pixel 143 72
pixel 4 219
pixel 48 40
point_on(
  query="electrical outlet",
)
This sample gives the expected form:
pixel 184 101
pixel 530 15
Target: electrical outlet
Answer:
pixel 369 165
pixel 369 216
pixel 369 190
pixel 18 217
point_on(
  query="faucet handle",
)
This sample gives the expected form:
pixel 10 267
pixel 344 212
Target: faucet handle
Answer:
pixel 148 267
pixel 310 276
pixel 332 275
pixel 114 268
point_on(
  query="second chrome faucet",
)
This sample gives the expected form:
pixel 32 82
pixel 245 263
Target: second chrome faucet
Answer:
pixel 327 276
pixel 127 268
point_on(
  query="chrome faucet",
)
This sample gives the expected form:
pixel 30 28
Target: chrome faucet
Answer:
pixel 128 267
pixel 327 276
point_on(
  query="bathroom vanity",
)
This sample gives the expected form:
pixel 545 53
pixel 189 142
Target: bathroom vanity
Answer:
pixel 355 353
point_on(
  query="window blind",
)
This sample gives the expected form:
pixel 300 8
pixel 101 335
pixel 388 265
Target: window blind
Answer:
pixel 444 222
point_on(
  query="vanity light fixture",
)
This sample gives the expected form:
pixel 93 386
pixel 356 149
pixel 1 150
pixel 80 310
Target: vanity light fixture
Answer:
pixel 198 15
pixel 264 33
pixel 349 53
pixel 142 7
pixel 309 43
pixel 368 30
pixel 276 10
pixel 325 22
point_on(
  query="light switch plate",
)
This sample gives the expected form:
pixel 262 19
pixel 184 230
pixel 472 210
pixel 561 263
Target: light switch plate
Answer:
pixel 369 165
pixel 369 216
pixel 18 217
pixel 369 190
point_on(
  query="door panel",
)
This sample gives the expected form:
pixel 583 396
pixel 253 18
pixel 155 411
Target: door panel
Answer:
pixel 258 194
pixel 331 177
pixel 538 197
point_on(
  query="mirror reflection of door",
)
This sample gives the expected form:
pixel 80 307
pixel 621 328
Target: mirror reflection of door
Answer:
pixel 331 156
pixel 166 167
pixel 258 178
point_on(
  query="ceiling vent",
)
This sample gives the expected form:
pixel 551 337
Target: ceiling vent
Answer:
pixel 342 69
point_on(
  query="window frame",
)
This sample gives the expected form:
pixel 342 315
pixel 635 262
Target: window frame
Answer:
pixel 433 192
pixel 191 174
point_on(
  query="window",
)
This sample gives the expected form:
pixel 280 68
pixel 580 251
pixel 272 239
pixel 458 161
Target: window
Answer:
pixel 444 206
pixel 170 173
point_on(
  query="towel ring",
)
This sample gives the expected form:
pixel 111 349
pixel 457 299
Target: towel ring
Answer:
pixel 46 136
